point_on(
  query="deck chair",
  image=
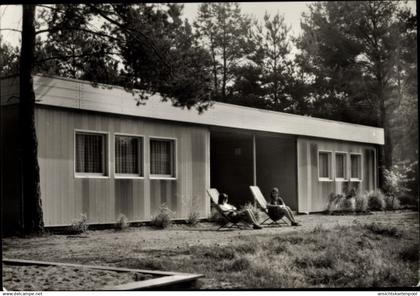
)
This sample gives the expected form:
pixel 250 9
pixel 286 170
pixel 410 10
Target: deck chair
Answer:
pixel 229 223
pixel 259 197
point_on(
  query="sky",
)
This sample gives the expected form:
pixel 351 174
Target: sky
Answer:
pixel 11 15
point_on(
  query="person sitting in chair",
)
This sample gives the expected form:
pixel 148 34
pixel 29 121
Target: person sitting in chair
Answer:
pixel 278 207
pixel 236 215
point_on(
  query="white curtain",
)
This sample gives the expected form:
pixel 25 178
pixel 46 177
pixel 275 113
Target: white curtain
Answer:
pixel 340 165
pixel 89 153
pixel 161 157
pixel 127 150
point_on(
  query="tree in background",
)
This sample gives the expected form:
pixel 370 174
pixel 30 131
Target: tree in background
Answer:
pixel 225 32
pixel 9 59
pixel 353 52
pixel 82 48
pixel 278 67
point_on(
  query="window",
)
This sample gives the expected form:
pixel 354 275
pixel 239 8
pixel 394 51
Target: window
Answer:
pixel 324 166
pixel 91 154
pixel 128 156
pixel 356 167
pixel 340 166
pixel 162 158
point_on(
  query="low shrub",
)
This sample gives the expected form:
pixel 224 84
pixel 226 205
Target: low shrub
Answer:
pixel 193 218
pixel 391 203
pixel 122 222
pixel 334 201
pixel 164 218
pixel 407 200
pixel 79 225
pixel 347 204
pixel 361 203
pixel 376 200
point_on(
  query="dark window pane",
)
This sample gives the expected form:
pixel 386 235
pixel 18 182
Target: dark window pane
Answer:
pixel 90 153
pixel 323 166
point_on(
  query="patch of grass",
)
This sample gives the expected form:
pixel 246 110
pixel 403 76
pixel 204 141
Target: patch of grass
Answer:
pixel 410 253
pixel 381 229
pixel 240 264
pixel 345 256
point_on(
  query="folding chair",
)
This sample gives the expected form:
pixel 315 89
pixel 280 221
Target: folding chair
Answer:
pixel 229 222
pixel 259 197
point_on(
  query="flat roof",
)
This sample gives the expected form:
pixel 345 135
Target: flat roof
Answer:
pixel 78 94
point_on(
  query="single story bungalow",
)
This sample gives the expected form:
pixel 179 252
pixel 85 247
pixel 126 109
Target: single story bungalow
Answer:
pixel 103 155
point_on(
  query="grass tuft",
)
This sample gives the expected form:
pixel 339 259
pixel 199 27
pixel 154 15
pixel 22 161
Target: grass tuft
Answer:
pixel 193 219
pixel 381 229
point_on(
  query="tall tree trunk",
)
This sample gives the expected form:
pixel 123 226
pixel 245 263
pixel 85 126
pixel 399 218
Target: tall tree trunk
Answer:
pixel 224 73
pixel 385 151
pixel 32 207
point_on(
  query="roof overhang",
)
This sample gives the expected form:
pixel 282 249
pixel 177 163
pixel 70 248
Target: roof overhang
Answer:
pixel 77 94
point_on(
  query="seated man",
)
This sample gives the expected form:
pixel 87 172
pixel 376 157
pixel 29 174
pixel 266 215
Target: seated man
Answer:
pixel 278 207
pixel 236 215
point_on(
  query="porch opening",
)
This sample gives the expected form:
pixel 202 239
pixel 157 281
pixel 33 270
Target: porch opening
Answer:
pixel 239 159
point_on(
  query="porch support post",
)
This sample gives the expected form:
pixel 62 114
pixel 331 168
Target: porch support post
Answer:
pixel 254 160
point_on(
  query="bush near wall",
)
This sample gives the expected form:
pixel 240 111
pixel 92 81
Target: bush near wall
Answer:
pixel 164 218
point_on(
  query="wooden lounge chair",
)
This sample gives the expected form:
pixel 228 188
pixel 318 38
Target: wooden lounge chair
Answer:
pixel 229 222
pixel 259 197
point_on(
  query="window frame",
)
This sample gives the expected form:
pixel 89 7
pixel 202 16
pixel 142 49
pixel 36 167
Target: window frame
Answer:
pixel 361 167
pixel 174 175
pixel 106 160
pixel 346 173
pixel 141 161
pixel 330 165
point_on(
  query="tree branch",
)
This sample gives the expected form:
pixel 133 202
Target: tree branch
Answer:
pixel 10 29
pixel 132 32
pixel 67 57
pixel 77 29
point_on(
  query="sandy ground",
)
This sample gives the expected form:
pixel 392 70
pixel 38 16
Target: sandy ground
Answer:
pixel 76 249
pixel 59 278
pixel 141 244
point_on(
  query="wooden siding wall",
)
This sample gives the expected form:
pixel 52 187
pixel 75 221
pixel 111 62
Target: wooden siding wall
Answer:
pixel 313 194
pixel 11 210
pixel 276 167
pixel 103 199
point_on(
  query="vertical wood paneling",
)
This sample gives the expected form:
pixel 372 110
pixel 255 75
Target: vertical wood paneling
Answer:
pixel 66 197
pixel 313 192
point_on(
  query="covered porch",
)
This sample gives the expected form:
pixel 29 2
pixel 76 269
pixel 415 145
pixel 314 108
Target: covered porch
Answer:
pixel 240 158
